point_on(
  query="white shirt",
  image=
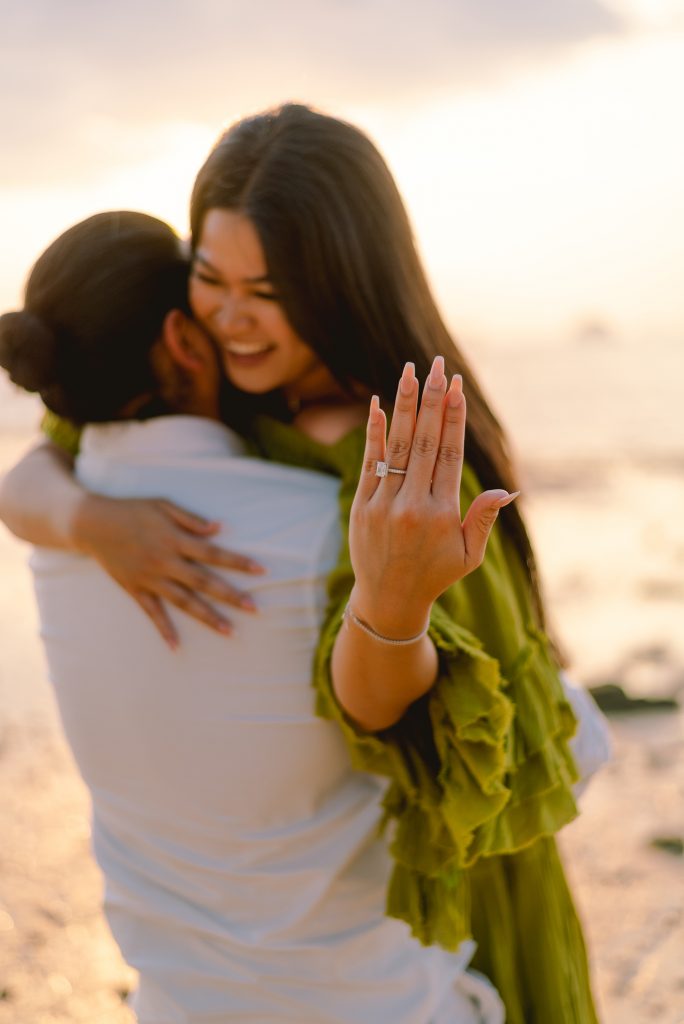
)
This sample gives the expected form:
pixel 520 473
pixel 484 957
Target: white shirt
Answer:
pixel 244 879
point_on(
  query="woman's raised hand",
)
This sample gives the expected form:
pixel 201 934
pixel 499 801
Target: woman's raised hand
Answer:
pixel 158 553
pixel 408 543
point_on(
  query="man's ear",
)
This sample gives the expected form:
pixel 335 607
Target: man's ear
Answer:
pixel 186 343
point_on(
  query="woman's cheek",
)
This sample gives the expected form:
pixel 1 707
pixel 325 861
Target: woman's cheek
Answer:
pixel 198 297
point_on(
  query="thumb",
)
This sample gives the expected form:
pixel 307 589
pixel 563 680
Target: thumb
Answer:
pixel 479 521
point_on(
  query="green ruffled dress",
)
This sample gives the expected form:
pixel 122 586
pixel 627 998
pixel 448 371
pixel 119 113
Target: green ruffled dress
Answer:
pixel 480 770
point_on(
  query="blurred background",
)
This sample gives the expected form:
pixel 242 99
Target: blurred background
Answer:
pixel 539 147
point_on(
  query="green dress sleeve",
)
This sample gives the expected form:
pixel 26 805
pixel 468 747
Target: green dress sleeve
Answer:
pixel 62 432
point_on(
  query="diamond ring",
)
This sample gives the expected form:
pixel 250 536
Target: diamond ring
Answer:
pixel 382 469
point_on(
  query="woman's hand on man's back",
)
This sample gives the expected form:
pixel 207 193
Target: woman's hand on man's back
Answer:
pixel 159 553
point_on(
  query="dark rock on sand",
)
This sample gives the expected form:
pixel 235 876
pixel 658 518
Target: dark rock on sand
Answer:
pixel 670 844
pixel 613 699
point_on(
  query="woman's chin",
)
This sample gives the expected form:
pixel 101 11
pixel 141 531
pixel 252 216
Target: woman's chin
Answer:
pixel 250 373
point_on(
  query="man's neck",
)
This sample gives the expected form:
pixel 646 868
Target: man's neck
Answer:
pixel 204 406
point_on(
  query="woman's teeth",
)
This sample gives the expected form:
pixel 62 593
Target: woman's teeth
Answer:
pixel 241 348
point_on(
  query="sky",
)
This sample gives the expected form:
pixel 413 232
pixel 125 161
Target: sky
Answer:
pixel 537 143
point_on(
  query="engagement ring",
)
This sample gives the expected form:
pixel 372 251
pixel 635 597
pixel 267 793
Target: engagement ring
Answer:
pixel 382 469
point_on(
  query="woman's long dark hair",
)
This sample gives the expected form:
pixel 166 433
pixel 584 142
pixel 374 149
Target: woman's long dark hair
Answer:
pixel 341 256
pixel 94 305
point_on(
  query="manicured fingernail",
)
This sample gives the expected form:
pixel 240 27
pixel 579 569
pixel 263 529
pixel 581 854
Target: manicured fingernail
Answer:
pixel 455 394
pixel 172 641
pixel 256 569
pixel 374 414
pixel 247 603
pixel 502 502
pixel 406 384
pixel 225 628
pixel 436 378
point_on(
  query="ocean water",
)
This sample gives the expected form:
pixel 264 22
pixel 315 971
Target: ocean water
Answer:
pixel 606 402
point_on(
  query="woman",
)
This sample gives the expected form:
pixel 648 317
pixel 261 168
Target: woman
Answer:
pixel 295 214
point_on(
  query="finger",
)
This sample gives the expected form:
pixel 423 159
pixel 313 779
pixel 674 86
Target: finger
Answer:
pixel 212 554
pixel 188 520
pixel 401 429
pixel 198 580
pixel 446 479
pixel 478 523
pixel 374 452
pixel 428 430
pixel 195 607
pixel 155 611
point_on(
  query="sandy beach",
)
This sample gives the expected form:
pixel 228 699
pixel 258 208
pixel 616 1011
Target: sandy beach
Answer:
pixel 603 476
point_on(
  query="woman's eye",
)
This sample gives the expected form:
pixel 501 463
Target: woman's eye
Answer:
pixel 205 278
pixel 269 296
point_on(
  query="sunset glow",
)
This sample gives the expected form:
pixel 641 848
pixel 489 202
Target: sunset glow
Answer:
pixel 543 199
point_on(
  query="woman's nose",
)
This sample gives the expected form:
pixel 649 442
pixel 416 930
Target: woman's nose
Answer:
pixel 232 316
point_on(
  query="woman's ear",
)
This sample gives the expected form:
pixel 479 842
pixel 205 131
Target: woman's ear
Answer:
pixel 186 343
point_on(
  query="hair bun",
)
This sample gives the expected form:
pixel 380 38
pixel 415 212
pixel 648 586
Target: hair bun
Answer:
pixel 28 350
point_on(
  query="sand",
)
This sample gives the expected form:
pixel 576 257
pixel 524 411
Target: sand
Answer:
pixel 606 517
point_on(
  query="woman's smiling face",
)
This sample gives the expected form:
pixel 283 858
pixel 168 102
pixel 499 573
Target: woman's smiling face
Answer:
pixel 234 300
